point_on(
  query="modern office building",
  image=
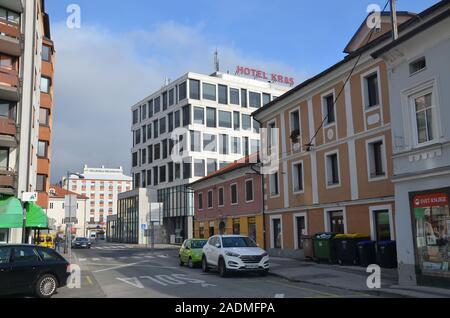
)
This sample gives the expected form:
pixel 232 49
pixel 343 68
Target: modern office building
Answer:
pixel 335 154
pixel 205 117
pixel 102 186
pixel 56 212
pixel 419 82
pixel 26 73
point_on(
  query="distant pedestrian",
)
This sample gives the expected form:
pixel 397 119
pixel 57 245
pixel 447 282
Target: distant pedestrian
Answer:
pixel 58 244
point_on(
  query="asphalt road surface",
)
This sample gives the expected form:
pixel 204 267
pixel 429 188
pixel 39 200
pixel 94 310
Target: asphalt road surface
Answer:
pixel 121 271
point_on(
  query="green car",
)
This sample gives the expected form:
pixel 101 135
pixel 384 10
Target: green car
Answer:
pixel 191 252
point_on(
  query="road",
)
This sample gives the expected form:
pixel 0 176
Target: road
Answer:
pixel 123 271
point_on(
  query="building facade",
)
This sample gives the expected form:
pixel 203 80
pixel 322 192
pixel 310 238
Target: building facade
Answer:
pixel 208 118
pixel 26 73
pixel 57 216
pixel 102 186
pixel 229 201
pixel 335 153
pixel 419 75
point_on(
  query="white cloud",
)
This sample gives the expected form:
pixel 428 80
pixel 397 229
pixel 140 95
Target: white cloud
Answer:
pixel 100 74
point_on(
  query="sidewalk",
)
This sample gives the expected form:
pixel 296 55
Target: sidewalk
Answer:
pixel 349 278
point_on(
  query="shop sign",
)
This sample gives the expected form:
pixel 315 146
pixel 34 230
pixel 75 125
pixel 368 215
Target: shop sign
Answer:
pixel 430 200
pixel 258 74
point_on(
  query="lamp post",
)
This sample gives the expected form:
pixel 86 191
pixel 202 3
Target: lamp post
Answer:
pixel 68 245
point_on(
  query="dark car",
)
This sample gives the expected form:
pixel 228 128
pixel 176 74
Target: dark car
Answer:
pixel 31 269
pixel 81 242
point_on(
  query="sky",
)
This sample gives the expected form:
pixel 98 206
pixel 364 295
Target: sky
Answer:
pixel 124 50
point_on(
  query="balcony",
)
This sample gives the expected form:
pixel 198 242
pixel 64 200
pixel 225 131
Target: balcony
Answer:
pixel 7 127
pixel 9 83
pixel 8 180
pixel 10 38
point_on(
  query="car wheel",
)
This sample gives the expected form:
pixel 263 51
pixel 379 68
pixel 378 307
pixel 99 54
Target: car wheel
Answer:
pixel 46 286
pixel 190 263
pixel 180 262
pixel 222 268
pixel 264 273
pixel 205 267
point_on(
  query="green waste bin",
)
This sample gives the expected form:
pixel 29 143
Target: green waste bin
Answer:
pixel 324 249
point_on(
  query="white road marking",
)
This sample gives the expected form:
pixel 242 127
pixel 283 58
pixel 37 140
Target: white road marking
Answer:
pixel 117 267
pixel 162 256
pixel 132 281
pixel 96 259
pixel 149 256
pixel 166 280
pixel 279 295
pixel 82 259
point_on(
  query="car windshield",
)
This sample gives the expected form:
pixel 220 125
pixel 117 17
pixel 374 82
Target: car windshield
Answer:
pixel 198 244
pixel 230 242
pixel 81 240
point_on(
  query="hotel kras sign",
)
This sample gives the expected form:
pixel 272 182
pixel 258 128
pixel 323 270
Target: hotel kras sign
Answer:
pixel 262 75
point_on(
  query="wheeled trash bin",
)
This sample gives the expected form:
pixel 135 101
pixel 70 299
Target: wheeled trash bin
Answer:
pixel 346 248
pixel 387 254
pixel 324 249
pixel 367 253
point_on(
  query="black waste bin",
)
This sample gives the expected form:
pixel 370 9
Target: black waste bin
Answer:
pixel 346 248
pixel 366 253
pixel 387 254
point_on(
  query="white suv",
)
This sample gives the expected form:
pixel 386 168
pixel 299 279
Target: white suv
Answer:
pixel 234 253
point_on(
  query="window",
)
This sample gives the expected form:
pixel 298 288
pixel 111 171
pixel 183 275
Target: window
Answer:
pixel 137 137
pixel 295 126
pixel 236 120
pixel 417 66
pixel 162 174
pixel 150 109
pixel 210 199
pixel 234 96
pixel 329 111
pixel 164 149
pixel 236 145
pixel 211 166
pixel 249 190
pixel 224 119
pixel 376 159
pixel 199 115
pixel 7 62
pixel 177 122
pixel 177 171
pixel 170 168
pixel 424 112
pixel 298 176
pixel 209 92
pixel 201 230
pixel 44 116
pixel 244 98
pixel 211 119
pixel 209 143
pixel 274 189
pixel 149 177
pixel 252 228
pixel 164 101
pixel 223 94
pixel 41 183
pixel 144 134
pixel 336 219
pixel 236 226
pixel 254 146
pixel 199 168
pixel 256 126
pixel 332 168
pixel 42 148
pixel 182 91
pixel 150 153
pixel 196 142
pixel 149 131
pixel 266 98
pixel 171 97
pixel 234 193
pixel 155 176
pixel 221 197
pixel 157 105
pixel 170 122
pixel 272 137
pixel 135 116
pixel 223 164
pixel 46 53
pixel 194 89
pixel 372 95
pixel 24 254
pixel 187 173
pixel 9 15
pixel 255 99
pixel 162 126
pixel 382 225
pixel 223 144
pixel 4 158
pixel 45 85
pixel 300 223
pixel 186 115
pixel 246 122
pixel 155 129
pixel 246 146
pixel 144 111
pixel 157 154
pixel 200 201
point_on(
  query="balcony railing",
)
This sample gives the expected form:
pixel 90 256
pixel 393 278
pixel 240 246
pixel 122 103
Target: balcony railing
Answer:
pixel 10 29
pixel 7 127
pixel 9 77
pixel 8 179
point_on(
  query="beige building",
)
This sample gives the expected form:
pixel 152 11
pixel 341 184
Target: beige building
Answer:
pixel 335 150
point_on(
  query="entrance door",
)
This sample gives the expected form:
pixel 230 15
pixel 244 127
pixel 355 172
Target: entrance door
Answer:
pixel 337 222
pixel 382 225
pixel 301 228
pixel 276 228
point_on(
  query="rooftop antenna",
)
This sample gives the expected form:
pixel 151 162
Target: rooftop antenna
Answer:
pixel 216 61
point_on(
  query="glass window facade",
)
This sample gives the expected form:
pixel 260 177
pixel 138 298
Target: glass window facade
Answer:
pixel 209 92
pixel 177 201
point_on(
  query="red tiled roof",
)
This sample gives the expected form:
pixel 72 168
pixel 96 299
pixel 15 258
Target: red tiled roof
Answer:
pixel 60 193
pixel 244 162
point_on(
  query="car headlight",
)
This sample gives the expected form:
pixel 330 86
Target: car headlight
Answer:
pixel 231 254
pixel 265 254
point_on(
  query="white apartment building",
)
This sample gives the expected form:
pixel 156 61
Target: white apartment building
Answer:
pixel 102 187
pixel 206 116
pixel 57 215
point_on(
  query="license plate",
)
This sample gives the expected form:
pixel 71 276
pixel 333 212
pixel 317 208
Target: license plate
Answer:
pixel 251 266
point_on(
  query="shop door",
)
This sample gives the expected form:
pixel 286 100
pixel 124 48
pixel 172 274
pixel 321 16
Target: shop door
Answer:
pixel 382 226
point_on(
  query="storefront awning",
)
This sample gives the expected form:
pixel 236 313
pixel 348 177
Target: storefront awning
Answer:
pixel 36 217
pixel 11 213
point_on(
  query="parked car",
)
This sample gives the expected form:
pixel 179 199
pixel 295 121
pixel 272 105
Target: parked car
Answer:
pixel 31 269
pixel 81 242
pixel 234 253
pixel 191 252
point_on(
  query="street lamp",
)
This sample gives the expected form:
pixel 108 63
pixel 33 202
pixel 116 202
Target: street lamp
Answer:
pixel 68 245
